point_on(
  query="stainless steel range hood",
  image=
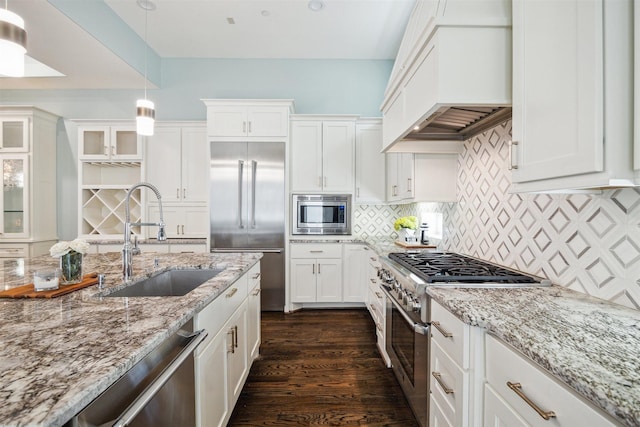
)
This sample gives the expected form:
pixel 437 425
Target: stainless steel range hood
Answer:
pixel 452 77
pixel 458 123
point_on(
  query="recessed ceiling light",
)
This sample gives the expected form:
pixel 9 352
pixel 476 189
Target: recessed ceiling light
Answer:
pixel 265 13
pixel 231 21
pixel 146 4
pixel 316 5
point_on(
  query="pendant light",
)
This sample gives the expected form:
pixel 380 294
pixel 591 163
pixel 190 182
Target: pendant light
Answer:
pixel 13 43
pixel 145 111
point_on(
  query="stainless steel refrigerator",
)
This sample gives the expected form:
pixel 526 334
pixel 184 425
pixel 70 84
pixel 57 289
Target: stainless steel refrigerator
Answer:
pixel 247 202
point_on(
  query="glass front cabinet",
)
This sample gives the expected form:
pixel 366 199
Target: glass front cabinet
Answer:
pixel 28 223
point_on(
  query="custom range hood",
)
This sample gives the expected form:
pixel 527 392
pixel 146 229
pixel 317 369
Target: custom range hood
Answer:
pixel 452 77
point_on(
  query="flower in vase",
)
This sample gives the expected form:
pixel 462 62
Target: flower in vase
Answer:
pixel 63 247
pixel 410 222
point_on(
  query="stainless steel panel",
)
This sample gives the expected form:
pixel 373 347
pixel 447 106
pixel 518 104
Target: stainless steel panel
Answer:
pixel 247 199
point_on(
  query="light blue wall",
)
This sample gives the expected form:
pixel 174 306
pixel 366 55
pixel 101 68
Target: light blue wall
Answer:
pixel 317 86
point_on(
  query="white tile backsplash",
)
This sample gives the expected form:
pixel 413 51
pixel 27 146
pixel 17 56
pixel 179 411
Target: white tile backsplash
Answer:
pixel 587 242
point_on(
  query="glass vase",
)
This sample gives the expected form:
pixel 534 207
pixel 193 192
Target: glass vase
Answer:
pixel 71 268
pixel 407 235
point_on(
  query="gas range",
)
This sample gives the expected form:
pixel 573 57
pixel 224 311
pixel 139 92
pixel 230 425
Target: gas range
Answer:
pixel 457 270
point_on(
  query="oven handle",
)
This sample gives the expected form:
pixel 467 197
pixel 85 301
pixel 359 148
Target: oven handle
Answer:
pixel 419 328
pixel 153 388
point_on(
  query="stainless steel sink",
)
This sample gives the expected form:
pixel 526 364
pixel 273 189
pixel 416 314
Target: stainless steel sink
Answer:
pixel 170 283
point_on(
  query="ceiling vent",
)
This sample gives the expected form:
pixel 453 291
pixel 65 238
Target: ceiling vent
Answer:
pixel 459 123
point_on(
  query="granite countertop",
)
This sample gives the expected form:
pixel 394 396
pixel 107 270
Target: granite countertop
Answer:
pixel 591 345
pixel 58 354
pixel 170 241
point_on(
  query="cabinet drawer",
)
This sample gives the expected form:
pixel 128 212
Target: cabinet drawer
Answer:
pixel 14 251
pixel 505 365
pixel 451 334
pixel 322 250
pixel 436 416
pixel 451 391
pixel 213 316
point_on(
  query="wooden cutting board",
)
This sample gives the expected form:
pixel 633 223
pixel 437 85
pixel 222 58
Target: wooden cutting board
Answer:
pixel 28 291
pixel 414 245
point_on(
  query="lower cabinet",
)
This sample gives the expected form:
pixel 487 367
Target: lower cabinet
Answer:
pixel 316 272
pixel 355 272
pixel 223 361
pixel 477 380
pixel 520 393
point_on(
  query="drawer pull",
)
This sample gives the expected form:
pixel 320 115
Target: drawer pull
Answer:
pixel 443 331
pixel 379 295
pixel 316 252
pixel 442 385
pixel 516 387
pixel 256 276
pixel 232 292
pixel 256 292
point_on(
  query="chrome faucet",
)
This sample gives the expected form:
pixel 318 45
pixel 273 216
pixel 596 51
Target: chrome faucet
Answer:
pixel 127 250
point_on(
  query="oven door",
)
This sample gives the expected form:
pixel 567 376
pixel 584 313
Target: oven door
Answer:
pixel 407 344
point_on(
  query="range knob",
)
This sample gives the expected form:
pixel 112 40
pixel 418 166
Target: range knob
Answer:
pixel 417 306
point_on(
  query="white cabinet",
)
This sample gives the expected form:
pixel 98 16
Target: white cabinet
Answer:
pixel 253 314
pixel 177 162
pixel 181 221
pixel 435 177
pixel 370 162
pixel 572 107
pixel 455 373
pixel 520 393
pixel 354 284
pixel 400 176
pixel 14 137
pixel 109 142
pixel 377 303
pixel 322 154
pixel 28 220
pixel 233 118
pixel 223 361
pixel 316 272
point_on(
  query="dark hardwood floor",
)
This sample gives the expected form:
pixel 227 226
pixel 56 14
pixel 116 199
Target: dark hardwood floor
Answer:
pixel 320 367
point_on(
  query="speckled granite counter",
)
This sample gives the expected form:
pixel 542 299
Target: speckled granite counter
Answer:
pixel 57 355
pixel 591 345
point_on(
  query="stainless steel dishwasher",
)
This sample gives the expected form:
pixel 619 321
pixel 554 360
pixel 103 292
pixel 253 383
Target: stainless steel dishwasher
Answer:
pixel 158 391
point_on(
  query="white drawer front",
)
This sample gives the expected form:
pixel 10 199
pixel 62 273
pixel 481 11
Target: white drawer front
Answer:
pixel 504 365
pixel 497 412
pixel 316 250
pixel 436 416
pixel 451 334
pixel 450 388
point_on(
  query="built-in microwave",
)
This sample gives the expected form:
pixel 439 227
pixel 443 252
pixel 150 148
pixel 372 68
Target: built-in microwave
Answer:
pixel 321 214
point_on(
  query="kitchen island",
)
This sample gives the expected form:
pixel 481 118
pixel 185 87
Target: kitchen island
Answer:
pixel 57 355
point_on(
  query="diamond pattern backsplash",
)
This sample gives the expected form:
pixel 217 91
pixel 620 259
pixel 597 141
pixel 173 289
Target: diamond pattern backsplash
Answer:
pixel 587 242
pixel 376 221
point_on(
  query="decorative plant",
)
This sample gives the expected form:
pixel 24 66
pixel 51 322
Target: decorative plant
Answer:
pixel 70 254
pixel 410 222
pixel 62 248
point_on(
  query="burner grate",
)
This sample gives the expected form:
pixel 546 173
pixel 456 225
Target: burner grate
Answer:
pixel 437 267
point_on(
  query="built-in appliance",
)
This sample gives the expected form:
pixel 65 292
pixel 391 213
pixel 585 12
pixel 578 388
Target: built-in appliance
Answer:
pixel 247 209
pixel 158 391
pixel 405 277
pixel 324 214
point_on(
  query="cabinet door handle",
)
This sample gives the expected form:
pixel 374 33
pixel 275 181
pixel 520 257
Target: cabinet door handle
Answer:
pixel 177 229
pixel 177 193
pixel 183 229
pixel 244 127
pixel 320 181
pixel 438 377
pixel 516 387
pixel 512 166
pixel 231 348
pixel 235 336
pixel 318 268
pixel 358 192
pixel 313 269
pixel 106 150
pixel 231 293
pixel 250 126
pixel 443 331
pixel 325 181
pixel 409 181
pixel 184 193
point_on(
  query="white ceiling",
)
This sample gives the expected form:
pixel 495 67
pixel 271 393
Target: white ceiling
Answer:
pixel 343 29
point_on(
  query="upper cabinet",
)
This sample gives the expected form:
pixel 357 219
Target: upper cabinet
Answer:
pixel 400 176
pixel 15 135
pixel 177 162
pixel 370 162
pixel 572 107
pixel 109 142
pixel 253 119
pixel 452 76
pixel 322 153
